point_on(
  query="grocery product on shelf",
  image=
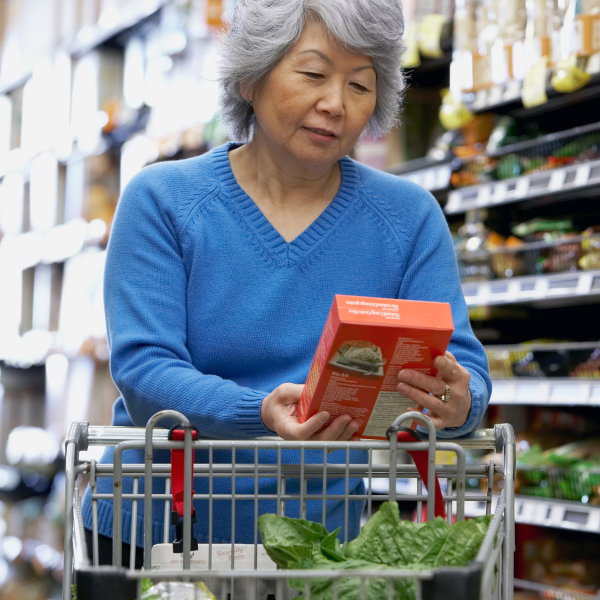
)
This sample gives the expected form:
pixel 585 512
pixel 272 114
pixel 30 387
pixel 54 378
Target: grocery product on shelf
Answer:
pixel 474 261
pixel 537 247
pixel 565 560
pixel 511 154
pixel 543 360
pixel 569 472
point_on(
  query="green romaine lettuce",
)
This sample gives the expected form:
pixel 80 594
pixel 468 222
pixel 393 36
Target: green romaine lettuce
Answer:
pixel 385 542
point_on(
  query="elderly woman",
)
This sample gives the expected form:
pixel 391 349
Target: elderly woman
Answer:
pixel 221 269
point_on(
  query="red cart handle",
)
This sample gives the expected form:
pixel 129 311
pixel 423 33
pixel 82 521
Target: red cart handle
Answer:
pixel 177 487
pixel 421 459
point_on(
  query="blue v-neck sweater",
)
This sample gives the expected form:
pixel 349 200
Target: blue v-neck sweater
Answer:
pixel 209 309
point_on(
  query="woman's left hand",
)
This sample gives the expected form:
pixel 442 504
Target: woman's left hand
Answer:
pixel 428 391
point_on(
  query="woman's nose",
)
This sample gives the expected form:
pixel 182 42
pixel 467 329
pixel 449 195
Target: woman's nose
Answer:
pixel 332 100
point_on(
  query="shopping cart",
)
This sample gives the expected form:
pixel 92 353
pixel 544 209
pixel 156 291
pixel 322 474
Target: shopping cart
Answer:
pixel 489 576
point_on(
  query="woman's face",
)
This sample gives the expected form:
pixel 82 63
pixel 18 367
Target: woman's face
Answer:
pixel 316 102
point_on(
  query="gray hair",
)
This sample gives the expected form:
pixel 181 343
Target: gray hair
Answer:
pixel 262 31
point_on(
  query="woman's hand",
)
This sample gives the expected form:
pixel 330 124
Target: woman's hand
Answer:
pixel 279 412
pixel 418 387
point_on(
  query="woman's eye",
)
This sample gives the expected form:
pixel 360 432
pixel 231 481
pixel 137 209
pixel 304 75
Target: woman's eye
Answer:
pixel 313 75
pixel 360 87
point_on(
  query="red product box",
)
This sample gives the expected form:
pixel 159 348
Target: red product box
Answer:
pixel 365 343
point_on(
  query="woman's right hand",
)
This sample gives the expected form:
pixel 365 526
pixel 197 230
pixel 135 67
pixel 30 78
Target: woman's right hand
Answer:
pixel 279 412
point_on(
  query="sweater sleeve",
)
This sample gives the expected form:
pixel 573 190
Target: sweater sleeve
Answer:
pixel 145 295
pixel 432 274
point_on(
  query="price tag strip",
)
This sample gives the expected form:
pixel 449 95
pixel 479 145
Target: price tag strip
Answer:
pixel 533 288
pixel 560 392
pixel 521 188
pixel 548 513
pixel 495 95
pixel 481 100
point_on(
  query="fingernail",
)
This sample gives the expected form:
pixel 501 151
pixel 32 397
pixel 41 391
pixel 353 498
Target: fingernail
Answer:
pixel 353 425
pixel 324 417
pixel 441 362
pixel 402 387
pixel 402 375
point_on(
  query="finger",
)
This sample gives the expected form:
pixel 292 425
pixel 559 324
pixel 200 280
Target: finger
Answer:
pixel 292 430
pixel 449 368
pixel 348 432
pixel 437 421
pixel 290 393
pixel 450 356
pixel 423 381
pixel 422 398
pixel 335 430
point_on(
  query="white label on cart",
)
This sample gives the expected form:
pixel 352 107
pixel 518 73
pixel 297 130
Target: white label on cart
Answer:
pixel 164 559
pixel 388 406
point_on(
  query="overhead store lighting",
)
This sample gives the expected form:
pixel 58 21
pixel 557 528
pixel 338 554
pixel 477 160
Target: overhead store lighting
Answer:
pixel 42 292
pixel 37 127
pixel 11 292
pixel 133 74
pixel 64 241
pixel 85 116
pixel 5 126
pixel 43 192
pixel 11 203
pixel 61 111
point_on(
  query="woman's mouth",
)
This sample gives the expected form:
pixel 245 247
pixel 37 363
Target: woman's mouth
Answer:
pixel 320 134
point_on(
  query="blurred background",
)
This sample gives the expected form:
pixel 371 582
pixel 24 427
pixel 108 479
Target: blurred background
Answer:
pixel 500 122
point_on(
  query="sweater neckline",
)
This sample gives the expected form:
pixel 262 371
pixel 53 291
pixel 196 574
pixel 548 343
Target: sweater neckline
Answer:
pixel 271 239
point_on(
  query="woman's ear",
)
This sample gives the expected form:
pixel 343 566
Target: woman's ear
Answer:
pixel 244 92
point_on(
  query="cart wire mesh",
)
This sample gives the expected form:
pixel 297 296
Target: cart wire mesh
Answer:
pixel 489 576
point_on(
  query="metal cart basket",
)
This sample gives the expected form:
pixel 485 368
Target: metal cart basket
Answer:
pixel 489 576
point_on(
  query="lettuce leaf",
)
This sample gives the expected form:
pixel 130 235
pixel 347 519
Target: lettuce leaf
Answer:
pixel 351 588
pixel 289 540
pixel 385 542
pixel 463 542
pixel 429 540
pixel 380 539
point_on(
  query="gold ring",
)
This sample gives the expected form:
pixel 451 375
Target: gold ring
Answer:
pixel 446 395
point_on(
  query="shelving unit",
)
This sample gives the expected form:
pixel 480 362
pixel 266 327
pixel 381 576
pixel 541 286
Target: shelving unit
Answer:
pixel 111 23
pixel 538 290
pixel 499 305
pixel 546 392
pixel 560 514
pixel 553 593
pixel 433 178
pixel 561 183
pixel 507 98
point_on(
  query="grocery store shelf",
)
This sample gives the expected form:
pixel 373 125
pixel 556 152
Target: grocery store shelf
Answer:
pixel 573 178
pixel 545 139
pixel 91 37
pixel 507 99
pixel 561 514
pixel 549 592
pixel 539 290
pixel 56 245
pixel 433 178
pixel 558 392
